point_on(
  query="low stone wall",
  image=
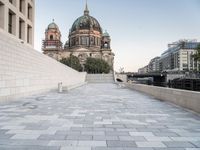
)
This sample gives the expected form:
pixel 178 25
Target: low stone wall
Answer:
pixel 184 98
pixel 25 71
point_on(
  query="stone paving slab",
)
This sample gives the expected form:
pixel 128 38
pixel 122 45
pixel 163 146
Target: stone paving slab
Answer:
pixel 97 117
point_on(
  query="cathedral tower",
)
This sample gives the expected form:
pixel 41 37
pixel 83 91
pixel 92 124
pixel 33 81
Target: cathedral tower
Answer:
pixel 52 43
pixel 105 41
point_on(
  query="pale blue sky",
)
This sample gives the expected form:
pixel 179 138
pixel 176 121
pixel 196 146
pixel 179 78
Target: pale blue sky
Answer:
pixel 139 29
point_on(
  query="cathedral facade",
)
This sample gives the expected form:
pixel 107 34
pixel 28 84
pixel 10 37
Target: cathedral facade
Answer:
pixel 86 39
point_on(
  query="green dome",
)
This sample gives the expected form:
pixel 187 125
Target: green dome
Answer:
pixel 106 34
pixel 86 22
pixel 52 26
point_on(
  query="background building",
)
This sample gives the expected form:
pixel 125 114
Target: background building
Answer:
pixel 153 65
pixel 143 70
pixel 86 39
pixel 17 19
pixel 179 56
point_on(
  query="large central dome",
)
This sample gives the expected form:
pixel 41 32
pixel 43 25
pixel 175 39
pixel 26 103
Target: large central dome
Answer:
pixel 86 22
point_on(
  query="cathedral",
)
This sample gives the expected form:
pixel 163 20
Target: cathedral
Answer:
pixel 86 39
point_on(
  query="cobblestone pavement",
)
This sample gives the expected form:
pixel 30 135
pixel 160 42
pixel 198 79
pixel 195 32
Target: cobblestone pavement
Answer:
pixel 97 117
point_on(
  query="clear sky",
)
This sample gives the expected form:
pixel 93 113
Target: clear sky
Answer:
pixel 139 29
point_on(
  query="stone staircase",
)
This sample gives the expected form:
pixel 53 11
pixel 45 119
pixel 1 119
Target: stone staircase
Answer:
pixel 100 78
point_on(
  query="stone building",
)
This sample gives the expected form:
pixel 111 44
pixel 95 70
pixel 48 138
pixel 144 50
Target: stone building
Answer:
pixel 143 70
pixel 178 57
pixel 154 65
pixel 86 39
pixel 17 19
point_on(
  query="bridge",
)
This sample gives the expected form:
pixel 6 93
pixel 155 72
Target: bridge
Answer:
pixel 159 79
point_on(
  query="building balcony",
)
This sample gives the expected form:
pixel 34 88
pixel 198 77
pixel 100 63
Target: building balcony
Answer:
pixel 51 44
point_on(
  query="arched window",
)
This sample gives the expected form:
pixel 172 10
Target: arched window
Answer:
pixel 105 45
pixel 51 37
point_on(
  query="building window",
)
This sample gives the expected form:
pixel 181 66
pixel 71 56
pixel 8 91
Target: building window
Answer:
pixel 91 40
pixel 21 29
pixel 51 37
pixel 30 13
pixel 29 34
pixel 11 1
pixel 73 42
pixel 2 8
pixel 10 15
pixel 98 41
pixel 85 40
pixel 22 6
pixel 94 40
pixel 77 40
pixel 11 22
pixel 105 45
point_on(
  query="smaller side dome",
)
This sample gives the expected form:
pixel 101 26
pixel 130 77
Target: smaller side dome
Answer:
pixel 106 34
pixel 52 36
pixel 53 25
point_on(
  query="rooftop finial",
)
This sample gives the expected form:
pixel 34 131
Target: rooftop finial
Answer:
pixel 53 20
pixel 86 11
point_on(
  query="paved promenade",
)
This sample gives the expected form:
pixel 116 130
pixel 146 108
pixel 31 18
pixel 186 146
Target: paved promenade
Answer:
pixel 97 117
